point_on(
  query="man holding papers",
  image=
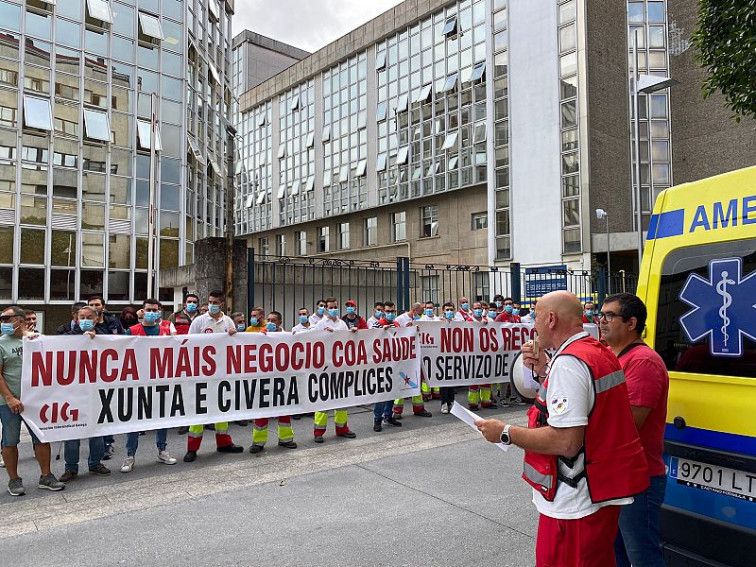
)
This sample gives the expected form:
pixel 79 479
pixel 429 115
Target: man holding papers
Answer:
pixel 583 456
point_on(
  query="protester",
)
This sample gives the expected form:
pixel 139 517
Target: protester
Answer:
pixel 464 313
pixel 152 325
pixel 239 321
pixel 508 314
pixel 273 323
pixel 108 324
pixel 374 320
pixel 31 321
pixel 478 313
pixel 320 312
pixel 332 322
pixel 13 329
pixel 304 321
pixel 622 319
pixel 128 317
pixel 446 394
pixel 256 320
pixel 529 319
pixel 414 314
pixel 214 321
pixel 183 318
pixel 85 325
pixel 580 433
pixel 204 308
pixel 589 313
pixel 418 404
pixel 66 328
pixel 352 318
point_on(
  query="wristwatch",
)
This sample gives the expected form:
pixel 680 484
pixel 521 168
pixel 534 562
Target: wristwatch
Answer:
pixel 505 438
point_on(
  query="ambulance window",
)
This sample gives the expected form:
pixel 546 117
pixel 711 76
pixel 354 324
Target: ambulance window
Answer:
pixel 706 319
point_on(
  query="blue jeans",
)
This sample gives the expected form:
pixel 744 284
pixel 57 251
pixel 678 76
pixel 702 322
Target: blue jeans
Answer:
pixel 637 541
pixel 11 423
pixel 96 453
pixel 132 441
pixel 382 410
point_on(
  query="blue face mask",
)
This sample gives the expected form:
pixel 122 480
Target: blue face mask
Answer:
pixel 240 328
pixel 498 304
pixel 390 316
pixel 321 310
pixel 492 314
pixel 303 319
pixel 351 310
pixel 509 309
pixel 152 317
pixel 253 321
pixel 378 314
pixel 191 307
pixel 214 309
pixel 478 313
pixel 589 312
pixel 271 327
pixel 333 313
pixel 429 312
pixel 415 316
pixel 86 325
pixel 449 315
pixel 465 306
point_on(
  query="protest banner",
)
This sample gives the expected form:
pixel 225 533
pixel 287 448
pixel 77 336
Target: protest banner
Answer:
pixel 468 353
pixel 79 387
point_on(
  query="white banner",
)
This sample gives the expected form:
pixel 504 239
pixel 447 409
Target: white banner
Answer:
pixel 468 353
pixel 78 387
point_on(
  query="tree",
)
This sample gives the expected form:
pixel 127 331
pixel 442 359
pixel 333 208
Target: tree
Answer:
pixel 726 41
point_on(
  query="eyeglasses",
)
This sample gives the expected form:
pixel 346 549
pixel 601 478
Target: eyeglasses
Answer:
pixel 608 316
pixel 6 318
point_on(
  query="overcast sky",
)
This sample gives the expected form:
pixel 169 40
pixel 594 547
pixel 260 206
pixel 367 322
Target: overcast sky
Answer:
pixel 307 24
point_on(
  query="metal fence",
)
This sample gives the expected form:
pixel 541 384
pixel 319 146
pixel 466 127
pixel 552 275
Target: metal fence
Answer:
pixel 287 284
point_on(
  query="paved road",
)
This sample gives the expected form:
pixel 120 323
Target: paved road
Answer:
pixel 429 493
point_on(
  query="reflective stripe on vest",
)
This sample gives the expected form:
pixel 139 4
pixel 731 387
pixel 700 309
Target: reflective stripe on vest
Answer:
pixel 609 381
pixel 543 480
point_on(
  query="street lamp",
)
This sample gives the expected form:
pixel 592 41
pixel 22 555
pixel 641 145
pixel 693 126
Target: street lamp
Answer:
pixel 601 214
pixel 642 84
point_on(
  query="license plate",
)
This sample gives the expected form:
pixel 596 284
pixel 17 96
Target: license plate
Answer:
pixel 713 478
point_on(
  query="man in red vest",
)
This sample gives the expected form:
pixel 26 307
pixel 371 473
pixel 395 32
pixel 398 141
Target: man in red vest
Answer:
pixel 583 456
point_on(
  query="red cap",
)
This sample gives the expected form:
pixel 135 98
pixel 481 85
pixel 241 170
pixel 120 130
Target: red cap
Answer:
pixel 351 302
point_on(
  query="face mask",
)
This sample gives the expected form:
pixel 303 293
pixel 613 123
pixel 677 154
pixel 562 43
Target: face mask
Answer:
pixel 498 304
pixel 449 315
pixel 378 314
pixel 7 328
pixel 213 309
pixel 240 328
pixel 333 313
pixel 191 307
pixel 429 312
pixel 152 317
pixel 321 310
pixel 271 327
pixel 492 314
pixel 415 316
pixel 253 321
pixel 589 312
pixel 351 310
pixel 390 316
pixel 478 313
pixel 509 309
pixel 303 319
pixel 129 322
pixel 465 306
pixel 85 325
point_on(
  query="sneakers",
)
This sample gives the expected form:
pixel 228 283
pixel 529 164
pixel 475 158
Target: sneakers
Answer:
pixel 100 470
pixel 394 422
pixel 108 453
pixel 68 476
pixel 128 464
pixel 444 408
pixel 190 456
pixel 2 462
pixel 423 413
pixel 16 487
pixel 230 449
pixel 397 416
pixel 254 449
pixel 47 482
pixel 319 439
pixel 347 434
pixel 377 425
pixel 518 402
pixel 290 444
pixel 504 403
pixel 165 458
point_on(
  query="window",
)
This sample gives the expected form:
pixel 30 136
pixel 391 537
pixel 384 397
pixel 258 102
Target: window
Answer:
pixel 451 140
pixel 37 113
pixel 380 61
pixel 97 125
pixel 263 246
pixel 401 156
pixel 310 184
pixel 399 226
pixel 450 26
pixel 300 238
pixel 380 164
pixel 673 341
pixel 479 221
pixel 450 83
pixel 401 105
pixel 280 245
pixel 100 10
pixel 361 167
pixel 429 224
pixel 425 94
pixel 150 28
pixel 482 286
pixel 380 113
pixel 370 236
pixel 343 236
pixel 295 188
pixel 324 244
pixel 429 287
pixel 478 71
pixel 144 130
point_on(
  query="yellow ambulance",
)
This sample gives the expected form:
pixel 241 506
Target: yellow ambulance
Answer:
pixel 698 280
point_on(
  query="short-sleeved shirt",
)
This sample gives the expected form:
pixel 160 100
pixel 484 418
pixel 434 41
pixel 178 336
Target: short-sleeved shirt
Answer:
pixel 300 328
pixel 570 398
pixel 254 329
pixel 315 319
pixel 405 318
pixel 11 356
pixel 648 386
pixel 206 324
pixel 328 323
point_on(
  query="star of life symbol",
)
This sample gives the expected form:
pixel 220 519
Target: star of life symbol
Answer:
pixel 723 307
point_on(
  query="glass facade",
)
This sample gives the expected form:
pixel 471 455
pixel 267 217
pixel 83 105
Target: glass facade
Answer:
pixel 502 226
pixel 75 84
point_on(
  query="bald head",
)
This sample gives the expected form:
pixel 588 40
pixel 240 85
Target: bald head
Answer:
pixel 559 315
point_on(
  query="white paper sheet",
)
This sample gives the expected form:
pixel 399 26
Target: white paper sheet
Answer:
pixel 463 414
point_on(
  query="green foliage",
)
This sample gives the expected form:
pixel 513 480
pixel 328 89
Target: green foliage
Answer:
pixel 726 41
